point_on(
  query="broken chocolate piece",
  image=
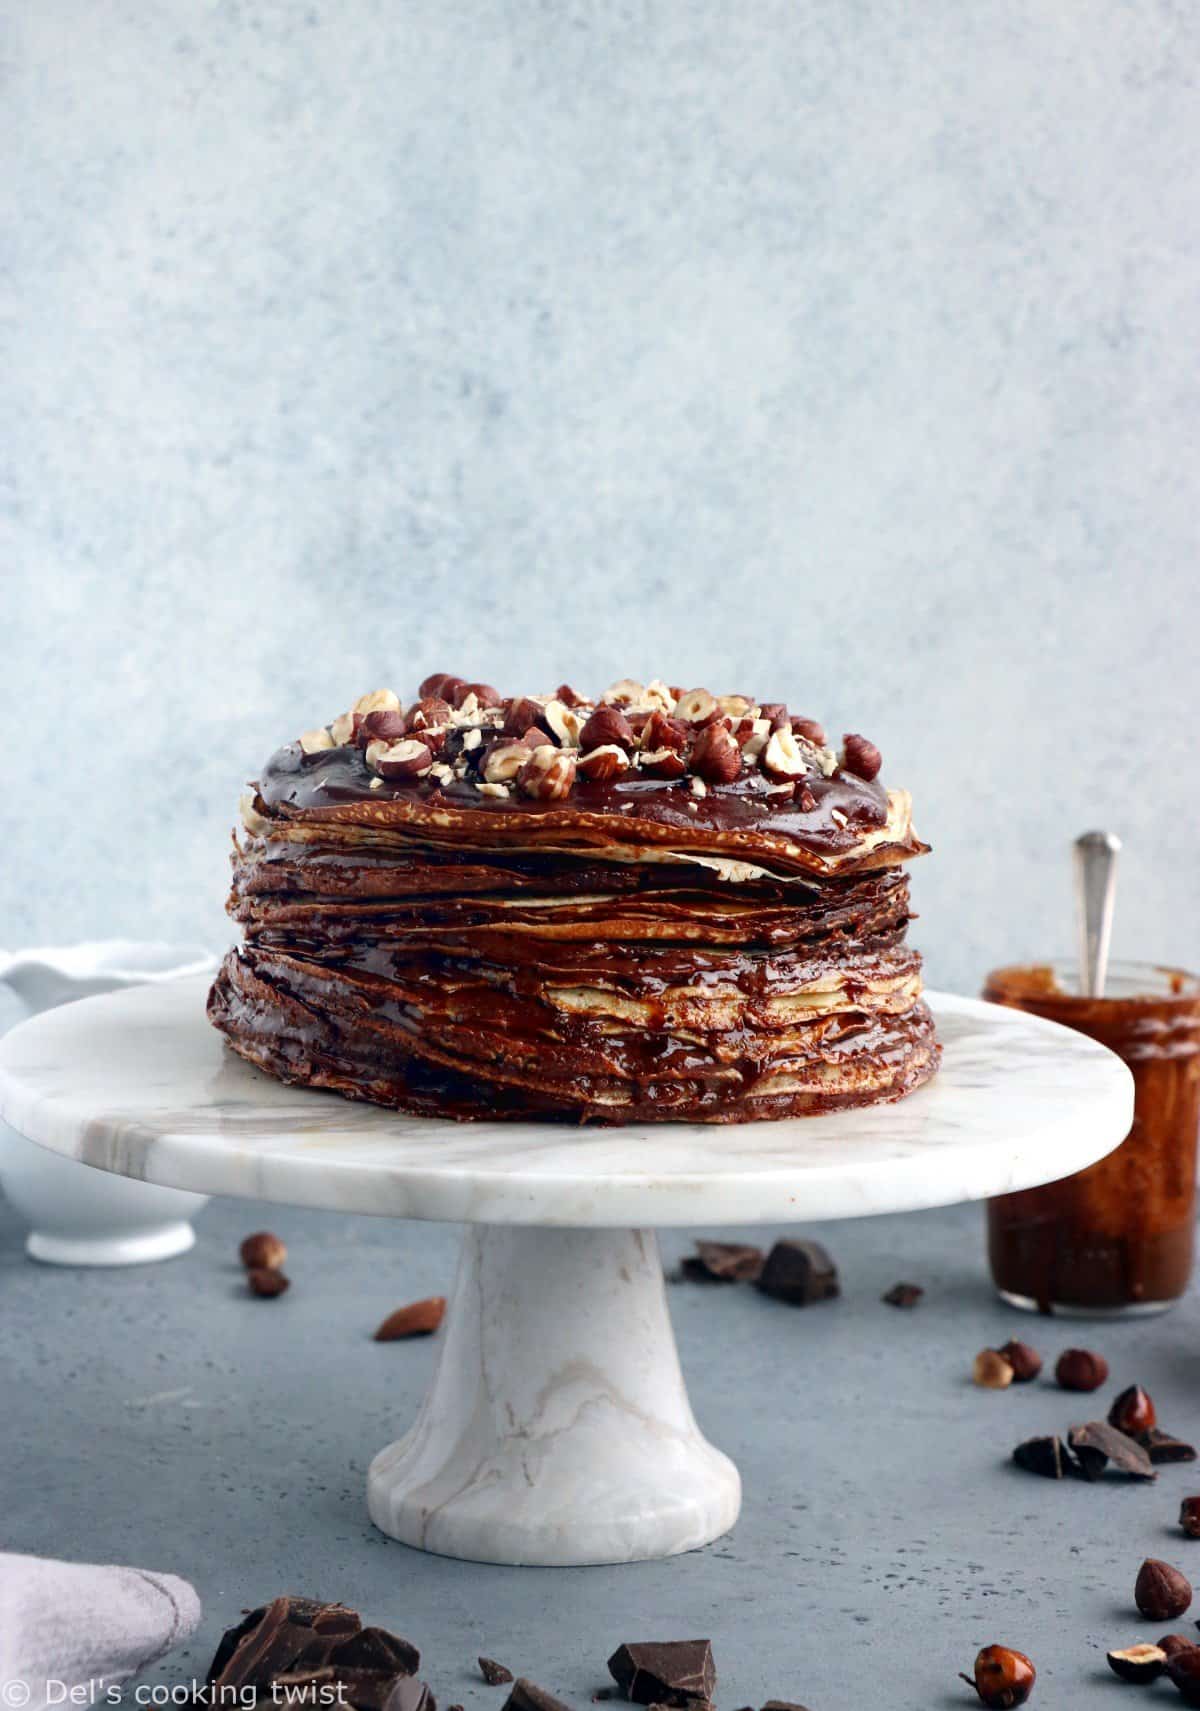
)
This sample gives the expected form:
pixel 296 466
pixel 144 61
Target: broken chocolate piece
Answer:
pixel 899 1295
pixel 286 1635
pixel 376 1649
pixel 494 1673
pixel 409 1694
pixel 1047 1456
pixel 665 1672
pixel 1161 1447
pixel 526 1697
pixel 799 1273
pixel 723 1262
pixel 1097 1443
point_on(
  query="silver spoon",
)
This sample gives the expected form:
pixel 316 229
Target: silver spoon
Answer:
pixel 1095 888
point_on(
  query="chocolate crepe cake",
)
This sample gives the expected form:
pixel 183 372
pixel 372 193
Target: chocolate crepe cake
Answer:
pixel 660 905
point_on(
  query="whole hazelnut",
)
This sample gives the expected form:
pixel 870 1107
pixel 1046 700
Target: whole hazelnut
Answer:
pixel 439 682
pixel 262 1249
pixel 1160 1592
pixel 430 713
pixel 1189 1517
pixel 1003 1678
pixel 384 725
pixel 860 757
pixel 519 714
pixel 810 728
pixel 1173 1643
pixel 1080 1369
pixel 267 1281
pixel 548 774
pixel 607 725
pixel 1133 1412
pixel 991 1370
pixel 716 756
pixel 1183 1668
pixel 485 695
pixel 1025 1361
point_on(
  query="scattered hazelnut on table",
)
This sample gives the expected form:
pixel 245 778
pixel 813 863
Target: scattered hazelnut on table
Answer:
pixel 1080 1369
pixel 417 1319
pixel 992 1371
pixel 267 1281
pixel 1138 1663
pixel 1183 1668
pixel 1133 1412
pixel 1003 1678
pixel 1170 1644
pixel 1025 1361
pixel 262 1251
pixel 1189 1517
pixel 1161 1593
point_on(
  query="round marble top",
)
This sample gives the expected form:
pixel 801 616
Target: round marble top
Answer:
pixel 137 1082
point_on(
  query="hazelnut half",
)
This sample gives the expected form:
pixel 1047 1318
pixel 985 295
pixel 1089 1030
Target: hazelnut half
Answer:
pixel 781 757
pixel 1133 1412
pixel 503 760
pixel 600 765
pixel 696 707
pixel 662 763
pixel 1160 1592
pixel 1080 1369
pixel 384 725
pixel 1025 1361
pixel 661 731
pixel 313 742
pixel 262 1249
pixel 548 774
pixel 1138 1663
pixel 378 700
pixel 405 759
pixel 519 713
pixel 1003 1678
pixel 991 1370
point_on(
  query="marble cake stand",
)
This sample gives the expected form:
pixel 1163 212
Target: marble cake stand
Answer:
pixel 557 1428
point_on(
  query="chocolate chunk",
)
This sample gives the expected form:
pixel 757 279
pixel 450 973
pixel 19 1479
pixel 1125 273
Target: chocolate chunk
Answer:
pixel 1097 1443
pixel 799 1273
pixel 723 1262
pixel 1047 1456
pixel 286 1635
pixel 494 1673
pixel 899 1295
pixel 376 1649
pixel 1160 1446
pixel 409 1694
pixel 526 1697
pixel 665 1672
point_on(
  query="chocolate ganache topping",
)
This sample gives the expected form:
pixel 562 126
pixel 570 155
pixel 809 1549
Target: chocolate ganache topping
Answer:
pixel 662 904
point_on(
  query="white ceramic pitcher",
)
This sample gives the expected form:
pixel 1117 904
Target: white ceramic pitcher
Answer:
pixel 81 1216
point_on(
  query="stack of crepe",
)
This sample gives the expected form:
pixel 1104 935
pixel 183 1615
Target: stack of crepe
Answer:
pixel 640 940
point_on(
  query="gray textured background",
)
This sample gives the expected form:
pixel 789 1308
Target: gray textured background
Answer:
pixel 845 352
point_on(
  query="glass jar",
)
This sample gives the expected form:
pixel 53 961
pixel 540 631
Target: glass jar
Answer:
pixel 1118 1237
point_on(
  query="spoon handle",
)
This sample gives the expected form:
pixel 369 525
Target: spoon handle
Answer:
pixel 1095 888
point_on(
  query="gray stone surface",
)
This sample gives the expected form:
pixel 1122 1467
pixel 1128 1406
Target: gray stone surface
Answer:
pixel 841 352
pixel 162 1417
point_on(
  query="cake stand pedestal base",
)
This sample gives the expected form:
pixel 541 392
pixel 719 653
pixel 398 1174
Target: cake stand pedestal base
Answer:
pixel 557 1429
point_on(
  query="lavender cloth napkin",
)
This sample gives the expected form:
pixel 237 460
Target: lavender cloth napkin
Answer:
pixel 79 1623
